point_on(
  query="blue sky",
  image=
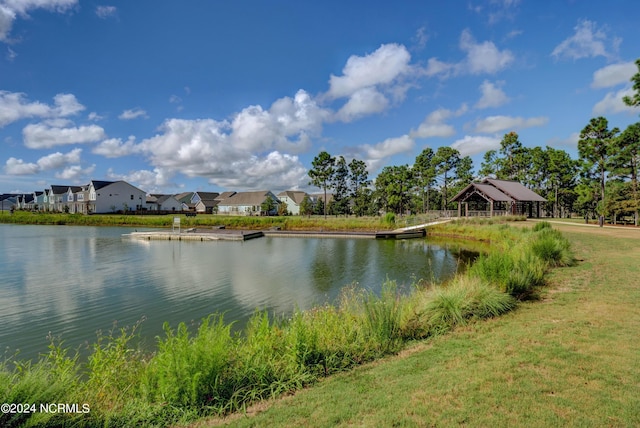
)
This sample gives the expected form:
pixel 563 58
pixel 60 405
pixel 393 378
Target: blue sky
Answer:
pixel 219 95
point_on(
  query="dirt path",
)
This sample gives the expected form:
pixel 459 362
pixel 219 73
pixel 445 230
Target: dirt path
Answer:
pixel 614 231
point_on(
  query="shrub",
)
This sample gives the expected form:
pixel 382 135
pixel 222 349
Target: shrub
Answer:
pixel 550 246
pixel 465 298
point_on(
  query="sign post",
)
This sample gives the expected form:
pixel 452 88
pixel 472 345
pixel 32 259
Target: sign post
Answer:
pixel 176 225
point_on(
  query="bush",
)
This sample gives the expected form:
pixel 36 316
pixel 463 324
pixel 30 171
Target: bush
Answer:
pixel 466 298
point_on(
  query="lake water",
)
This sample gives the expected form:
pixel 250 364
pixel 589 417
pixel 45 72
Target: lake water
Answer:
pixel 73 281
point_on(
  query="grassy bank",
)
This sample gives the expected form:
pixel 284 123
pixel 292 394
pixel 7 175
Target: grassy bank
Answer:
pixel 212 371
pixel 567 359
pixel 313 223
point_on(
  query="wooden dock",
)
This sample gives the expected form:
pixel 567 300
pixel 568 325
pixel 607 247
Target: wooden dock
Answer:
pixel 198 235
pixel 401 234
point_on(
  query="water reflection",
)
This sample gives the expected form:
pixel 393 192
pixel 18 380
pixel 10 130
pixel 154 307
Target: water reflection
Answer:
pixel 74 281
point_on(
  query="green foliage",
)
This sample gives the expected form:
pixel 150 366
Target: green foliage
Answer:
pixel 634 99
pixel 192 371
pixel 389 219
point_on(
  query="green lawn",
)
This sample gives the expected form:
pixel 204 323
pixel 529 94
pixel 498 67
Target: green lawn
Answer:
pixel 571 358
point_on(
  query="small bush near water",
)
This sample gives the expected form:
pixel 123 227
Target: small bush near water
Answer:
pixel 212 371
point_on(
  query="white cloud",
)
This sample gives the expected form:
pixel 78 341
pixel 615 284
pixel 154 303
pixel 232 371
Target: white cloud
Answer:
pixel 15 107
pixel 58 160
pixel 492 95
pixel 133 114
pixel 483 57
pixel 52 161
pixel 612 103
pixel 151 181
pixel 434 126
pixel 245 152
pixel 376 155
pixel 588 41
pixel 436 67
pixel 363 102
pixel 471 145
pixel 421 38
pixel 66 105
pixel 492 124
pixel 115 147
pixel 94 116
pixel 613 75
pixel 59 132
pixel 10 10
pixel 381 67
pixel 15 166
pixel 105 12
pixel 76 173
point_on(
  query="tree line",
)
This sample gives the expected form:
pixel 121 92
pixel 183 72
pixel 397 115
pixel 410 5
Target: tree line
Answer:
pixel 602 181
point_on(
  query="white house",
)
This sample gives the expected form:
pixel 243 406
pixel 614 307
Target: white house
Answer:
pixel 113 196
pixel 293 199
pixel 160 202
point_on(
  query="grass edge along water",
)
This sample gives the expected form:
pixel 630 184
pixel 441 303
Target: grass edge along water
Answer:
pixel 213 371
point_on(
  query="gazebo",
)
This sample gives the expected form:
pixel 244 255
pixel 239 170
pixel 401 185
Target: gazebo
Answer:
pixel 494 197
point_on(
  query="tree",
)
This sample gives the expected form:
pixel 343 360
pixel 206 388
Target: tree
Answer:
pixel 490 164
pixel 306 206
pixel 339 183
pixel 425 175
pixel 464 174
pixel 268 205
pixel 594 148
pixel 561 174
pixel 510 165
pixel 283 209
pixel 359 180
pixel 625 163
pixel 322 173
pixel 634 100
pixel 392 187
pixel 444 161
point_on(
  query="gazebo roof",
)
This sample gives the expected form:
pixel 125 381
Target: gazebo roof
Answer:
pixel 499 191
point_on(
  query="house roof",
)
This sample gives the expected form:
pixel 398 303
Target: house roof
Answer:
pixel 184 197
pixel 97 184
pixel 501 191
pixel 295 195
pixel 247 198
pixel 60 189
pixel 208 196
pixel 224 195
pixel 486 189
pixel 515 189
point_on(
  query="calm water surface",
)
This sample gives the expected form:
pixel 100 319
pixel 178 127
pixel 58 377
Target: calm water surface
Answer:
pixel 73 281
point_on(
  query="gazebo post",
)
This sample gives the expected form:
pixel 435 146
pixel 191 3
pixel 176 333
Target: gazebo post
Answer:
pixel 491 208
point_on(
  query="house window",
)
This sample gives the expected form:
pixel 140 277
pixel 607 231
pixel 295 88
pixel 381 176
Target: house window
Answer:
pixel 132 197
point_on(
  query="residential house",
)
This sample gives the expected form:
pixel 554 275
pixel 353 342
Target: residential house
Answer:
pixel 205 202
pixel 113 196
pixel 58 197
pixel 293 199
pixel 494 197
pixel 38 200
pixel 8 201
pixel 247 203
pixel 185 200
pixel 160 202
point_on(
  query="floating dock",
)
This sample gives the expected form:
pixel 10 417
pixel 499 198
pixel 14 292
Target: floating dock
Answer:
pixel 198 235
pixel 401 234
pixel 222 234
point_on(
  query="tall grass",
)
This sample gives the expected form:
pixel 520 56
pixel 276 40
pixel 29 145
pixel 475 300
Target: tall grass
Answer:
pixel 313 223
pixel 212 371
